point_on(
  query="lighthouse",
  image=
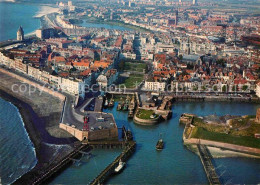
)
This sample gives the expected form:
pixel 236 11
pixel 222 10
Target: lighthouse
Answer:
pixel 20 34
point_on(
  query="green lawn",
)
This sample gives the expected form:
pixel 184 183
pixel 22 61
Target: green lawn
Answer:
pixel 133 80
pixel 202 133
pixel 145 114
pixel 134 66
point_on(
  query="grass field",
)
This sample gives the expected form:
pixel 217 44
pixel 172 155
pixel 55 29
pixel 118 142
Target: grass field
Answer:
pixel 145 114
pixel 138 67
pixel 202 133
pixel 133 81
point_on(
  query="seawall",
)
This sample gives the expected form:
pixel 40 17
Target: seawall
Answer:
pixel 39 112
pixel 228 146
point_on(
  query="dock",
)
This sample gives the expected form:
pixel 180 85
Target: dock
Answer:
pixel 104 175
pixel 105 144
pixel 188 98
pixel 59 166
pixel 208 166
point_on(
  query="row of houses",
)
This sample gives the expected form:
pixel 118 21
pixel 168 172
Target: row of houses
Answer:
pixel 72 86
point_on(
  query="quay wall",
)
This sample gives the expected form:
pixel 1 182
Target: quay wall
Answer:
pixel 146 121
pixel 216 99
pixel 223 145
pixel 104 134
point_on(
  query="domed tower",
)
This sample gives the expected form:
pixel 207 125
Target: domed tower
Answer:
pixel 20 34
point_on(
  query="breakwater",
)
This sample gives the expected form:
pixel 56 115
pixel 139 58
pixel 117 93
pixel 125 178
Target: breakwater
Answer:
pixel 103 176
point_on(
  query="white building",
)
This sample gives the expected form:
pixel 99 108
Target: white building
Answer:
pixel 102 80
pixel 154 86
pixel 73 87
pixel 257 90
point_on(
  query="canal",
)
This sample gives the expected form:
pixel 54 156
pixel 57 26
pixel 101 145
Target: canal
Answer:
pixel 175 164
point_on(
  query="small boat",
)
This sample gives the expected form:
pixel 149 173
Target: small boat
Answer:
pixel 129 135
pixel 125 108
pixel 130 114
pixel 119 106
pixel 160 144
pixel 120 166
pixel 106 103
pixel 111 103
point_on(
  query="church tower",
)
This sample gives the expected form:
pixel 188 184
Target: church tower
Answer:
pixel 20 34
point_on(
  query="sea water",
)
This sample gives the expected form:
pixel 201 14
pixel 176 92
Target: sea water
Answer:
pixel 13 15
pixel 17 153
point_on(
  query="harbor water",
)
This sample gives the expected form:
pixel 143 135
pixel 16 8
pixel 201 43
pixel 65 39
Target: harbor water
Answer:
pixel 17 154
pixel 175 164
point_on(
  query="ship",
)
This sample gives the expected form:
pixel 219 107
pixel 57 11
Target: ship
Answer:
pixel 160 144
pixel 120 166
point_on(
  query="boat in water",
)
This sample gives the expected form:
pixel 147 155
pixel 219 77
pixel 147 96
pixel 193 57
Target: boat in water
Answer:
pixel 160 144
pixel 119 106
pixel 111 103
pixel 106 103
pixel 120 166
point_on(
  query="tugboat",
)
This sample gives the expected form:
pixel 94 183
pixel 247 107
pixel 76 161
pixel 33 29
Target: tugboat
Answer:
pixel 129 135
pixel 160 144
pixel 120 166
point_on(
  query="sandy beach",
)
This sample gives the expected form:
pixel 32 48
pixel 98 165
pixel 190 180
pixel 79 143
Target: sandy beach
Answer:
pixel 45 9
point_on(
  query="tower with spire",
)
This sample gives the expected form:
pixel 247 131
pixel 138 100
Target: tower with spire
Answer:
pixel 20 34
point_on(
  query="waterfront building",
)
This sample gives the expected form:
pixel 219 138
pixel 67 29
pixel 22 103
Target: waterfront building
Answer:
pixel 258 90
pixel 154 85
pixel 20 34
pixel 98 126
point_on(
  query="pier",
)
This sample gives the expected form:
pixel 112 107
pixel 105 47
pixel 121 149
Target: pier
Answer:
pixel 105 144
pixel 188 98
pixel 207 164
pixel 127 152
pixel 54 169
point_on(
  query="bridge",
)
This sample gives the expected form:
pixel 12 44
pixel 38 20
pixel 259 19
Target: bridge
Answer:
pixel 208 166
pixel 54 169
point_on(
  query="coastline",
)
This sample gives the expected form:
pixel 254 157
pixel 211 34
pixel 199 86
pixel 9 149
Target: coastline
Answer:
pixel 47 148
pixel 45 10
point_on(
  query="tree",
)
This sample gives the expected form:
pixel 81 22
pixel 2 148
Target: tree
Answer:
pixel 224 88
pixel 234 88
pixel 215 88
pixel 221 62
pixel 245 87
